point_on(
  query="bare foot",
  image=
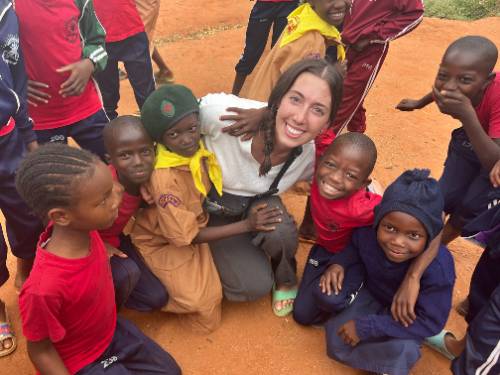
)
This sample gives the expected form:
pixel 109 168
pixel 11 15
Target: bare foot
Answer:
pixel 454 346
pixel 6 343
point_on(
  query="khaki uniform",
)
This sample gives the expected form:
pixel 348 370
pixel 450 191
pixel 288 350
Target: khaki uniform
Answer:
pixel 163 235
pixel 310 45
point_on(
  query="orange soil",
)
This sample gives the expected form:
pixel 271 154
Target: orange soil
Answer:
pixel 201 45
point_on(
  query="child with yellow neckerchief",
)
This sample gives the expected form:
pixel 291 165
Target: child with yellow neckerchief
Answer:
pixel 171 234
pixel 311 29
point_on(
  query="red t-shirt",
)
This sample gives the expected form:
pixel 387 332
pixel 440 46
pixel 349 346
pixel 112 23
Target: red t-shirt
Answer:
pixel 71 302
pixel 488 111
pixel 335 219
pixel 120 18
pixel 128 207
pixel 50 39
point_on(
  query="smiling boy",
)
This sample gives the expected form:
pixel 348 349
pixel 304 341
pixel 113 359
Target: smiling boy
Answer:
pixel 467 89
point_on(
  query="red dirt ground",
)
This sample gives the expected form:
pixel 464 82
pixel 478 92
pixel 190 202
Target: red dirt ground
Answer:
pixel 201 45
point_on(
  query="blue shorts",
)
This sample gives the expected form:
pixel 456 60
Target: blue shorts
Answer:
pixel 465 185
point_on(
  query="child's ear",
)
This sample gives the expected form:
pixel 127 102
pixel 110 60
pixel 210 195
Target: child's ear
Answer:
pixel 367 182
pixel 59 216
pixel 107 158
pixel 490 79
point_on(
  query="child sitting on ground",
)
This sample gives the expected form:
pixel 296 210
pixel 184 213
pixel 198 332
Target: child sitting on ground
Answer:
pixel 365 335
pixel 131 154
pixel 67 304
pixel 172 235
pixel 467 89
pixel 340 203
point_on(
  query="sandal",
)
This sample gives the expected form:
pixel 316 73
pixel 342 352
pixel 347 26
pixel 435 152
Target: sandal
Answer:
pixel 438 344
pixel 6 332
pixel 283 295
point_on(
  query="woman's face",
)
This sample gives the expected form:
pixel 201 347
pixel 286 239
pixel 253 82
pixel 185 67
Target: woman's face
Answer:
pixel 303 112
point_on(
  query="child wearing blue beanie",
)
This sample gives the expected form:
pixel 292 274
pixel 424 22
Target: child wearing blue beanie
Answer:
pixel 365 336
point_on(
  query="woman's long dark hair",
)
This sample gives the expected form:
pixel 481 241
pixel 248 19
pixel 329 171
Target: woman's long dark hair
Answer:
pixel 320 68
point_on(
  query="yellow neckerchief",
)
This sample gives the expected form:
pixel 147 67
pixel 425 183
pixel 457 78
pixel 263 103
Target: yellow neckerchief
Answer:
pixel 167 159
pixel 304 19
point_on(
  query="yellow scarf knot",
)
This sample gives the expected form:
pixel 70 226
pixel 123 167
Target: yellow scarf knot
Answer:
pixel 305 19
pixel 168 159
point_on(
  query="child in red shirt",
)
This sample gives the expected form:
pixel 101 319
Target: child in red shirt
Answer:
pixel 67 304
pixel 131 157
pixel 467 89
pixel 126 41
pixel 340 203
pixel 63 45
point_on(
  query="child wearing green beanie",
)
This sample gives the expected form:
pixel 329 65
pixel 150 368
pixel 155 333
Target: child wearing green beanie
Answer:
pixel 171 234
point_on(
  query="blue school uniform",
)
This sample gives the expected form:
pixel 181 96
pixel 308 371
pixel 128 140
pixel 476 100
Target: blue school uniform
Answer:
pixel 16 131
pixel 386 346
pixel 482 347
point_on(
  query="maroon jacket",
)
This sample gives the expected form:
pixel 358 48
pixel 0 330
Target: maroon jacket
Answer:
pixel 381 20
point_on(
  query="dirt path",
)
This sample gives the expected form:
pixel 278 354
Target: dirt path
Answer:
pixel 202 44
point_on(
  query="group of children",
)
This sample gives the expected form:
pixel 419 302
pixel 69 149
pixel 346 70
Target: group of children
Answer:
pixel 372 248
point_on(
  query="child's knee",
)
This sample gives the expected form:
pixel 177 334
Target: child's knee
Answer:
pixel 125 272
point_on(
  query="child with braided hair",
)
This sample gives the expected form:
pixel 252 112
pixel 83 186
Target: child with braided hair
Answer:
pixel 67 304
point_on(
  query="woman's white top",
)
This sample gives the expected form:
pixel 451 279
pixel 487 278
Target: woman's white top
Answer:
pixel 240 171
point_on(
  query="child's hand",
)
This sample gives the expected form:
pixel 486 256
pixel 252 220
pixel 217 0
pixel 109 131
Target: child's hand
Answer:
pixel 361 44
pixel 80 73
pixel 246 122
pixel 348 333
pixel 495 175
pixel 453 103
pixel 32 146
pixel 114 251
pixel 146 195
pixel 262 218
pixel 333 277
pixel 408 105
pixel 35 94
pixel 403 303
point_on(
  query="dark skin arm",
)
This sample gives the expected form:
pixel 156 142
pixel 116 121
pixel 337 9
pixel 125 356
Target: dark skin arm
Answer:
pixel 246 121
pixel 260 219
pixel 412 104
pixel 458 106
pixel 45 358
pixel 403 303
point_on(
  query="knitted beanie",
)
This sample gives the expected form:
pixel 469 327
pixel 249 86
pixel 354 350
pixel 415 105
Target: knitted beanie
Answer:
pixel 165 107
pixel 418 195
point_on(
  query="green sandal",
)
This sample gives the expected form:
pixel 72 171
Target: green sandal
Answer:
pixel 283 295
pixel 438 344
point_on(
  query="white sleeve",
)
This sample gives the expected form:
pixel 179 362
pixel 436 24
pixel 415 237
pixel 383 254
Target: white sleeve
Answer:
pixel 212 106
pixel 309 154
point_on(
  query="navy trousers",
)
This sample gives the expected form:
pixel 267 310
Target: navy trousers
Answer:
pixel 263 16
pixel 136 286
pixel 384 355
pixel 311 305
pixel 23 228
pixel 464 183
pixel 132 352
pixel 87 133
pixel 482 349
pixel 134 53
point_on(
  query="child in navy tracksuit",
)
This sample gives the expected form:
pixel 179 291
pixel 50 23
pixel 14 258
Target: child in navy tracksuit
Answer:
pixel 126 41
pixel 365 335
pixel 16 136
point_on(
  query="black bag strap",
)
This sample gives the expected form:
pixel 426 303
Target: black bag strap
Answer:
pixel 273 189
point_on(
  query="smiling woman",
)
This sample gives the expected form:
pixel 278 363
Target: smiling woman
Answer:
pixel 301 105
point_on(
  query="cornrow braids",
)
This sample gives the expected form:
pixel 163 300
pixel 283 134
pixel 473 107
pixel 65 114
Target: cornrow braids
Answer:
pixel 48 176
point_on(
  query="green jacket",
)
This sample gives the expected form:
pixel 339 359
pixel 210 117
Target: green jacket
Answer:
pixel 92 35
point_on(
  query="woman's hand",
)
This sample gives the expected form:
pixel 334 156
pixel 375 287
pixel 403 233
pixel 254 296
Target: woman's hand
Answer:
pixel 263 219
pixel 246 121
